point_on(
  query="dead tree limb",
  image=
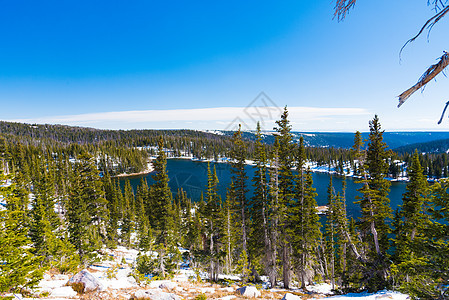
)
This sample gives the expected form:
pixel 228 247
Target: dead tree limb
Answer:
pixel 342 8
pixel 430 74
pixel 428 25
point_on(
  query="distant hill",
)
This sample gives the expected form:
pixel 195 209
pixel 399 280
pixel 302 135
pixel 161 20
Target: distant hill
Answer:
pixel 438 146
pixel 346 139
pixel 436 142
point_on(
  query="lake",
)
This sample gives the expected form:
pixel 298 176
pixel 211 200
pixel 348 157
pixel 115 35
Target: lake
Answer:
pixel 192 177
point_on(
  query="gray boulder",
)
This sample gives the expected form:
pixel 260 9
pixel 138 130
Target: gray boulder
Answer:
pixel 169 285
pixel 290 296
pixel 84 282
pixel 154 295
pixel 249 291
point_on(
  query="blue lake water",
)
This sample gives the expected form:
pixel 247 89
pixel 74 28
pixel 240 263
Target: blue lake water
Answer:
pixel 192 177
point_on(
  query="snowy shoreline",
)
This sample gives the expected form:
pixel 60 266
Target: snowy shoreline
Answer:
pixel 312 165
pixel 148 170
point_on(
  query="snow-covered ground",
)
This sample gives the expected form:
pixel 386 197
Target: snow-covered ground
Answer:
pixel 115 278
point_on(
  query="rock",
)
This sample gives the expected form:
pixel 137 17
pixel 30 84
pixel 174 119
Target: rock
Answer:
pixel 169 285
pixel 131 280
pixel 290 296
pixel 249 291
pixel 84 282
pixel 154 295
pixel 207 290
pixel 384 297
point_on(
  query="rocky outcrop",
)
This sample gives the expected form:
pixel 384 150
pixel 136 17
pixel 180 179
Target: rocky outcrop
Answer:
pixel 290 296
pixel 84 282
pixel 249 291
pixel 154 295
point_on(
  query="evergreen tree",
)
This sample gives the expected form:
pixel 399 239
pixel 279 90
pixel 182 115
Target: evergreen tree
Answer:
pixel 306 234
pixel 144 232
pixel 128 215
pixel 212 213
pixel 19 268
pixel 330 234
pixel 274 212
pixel 375 206
pixel 161 199
pixel 259 213
pixel 411 225
pixel 87 211
pixel 162 215
pixel 113 196
pixel 229 229
pixel 238 156
pixel 286 191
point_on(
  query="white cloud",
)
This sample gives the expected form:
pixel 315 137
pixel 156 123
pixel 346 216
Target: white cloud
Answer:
pixel 199 118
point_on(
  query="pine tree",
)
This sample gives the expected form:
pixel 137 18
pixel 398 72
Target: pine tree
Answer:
pixel 375 206
pixel 274 212
pixel 144 232
pixel 161 198
pixel 238 156
pixel 259 235
pixel 113 196
pixel 19 268
pixel 305 231
pixel 87 209
pixel 286 191
pixel 163 215
pixel 411 224
pixel 128 215
pixel 430 248
pixel 212 213
pixel 229 229
pixel 330 234
pixel 358 153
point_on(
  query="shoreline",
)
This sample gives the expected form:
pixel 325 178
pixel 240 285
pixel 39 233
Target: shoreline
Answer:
pixel 149 169
pixel 313 168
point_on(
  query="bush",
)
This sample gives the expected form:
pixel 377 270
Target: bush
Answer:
pixel 201 297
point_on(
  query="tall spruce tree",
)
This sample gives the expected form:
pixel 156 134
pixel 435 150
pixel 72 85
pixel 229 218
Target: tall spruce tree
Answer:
pixel 20 269
pixel 412 224
pixel 374 203
pixel 259 209
pixel 238 156
pixel 162 214
pixel 286 191
pixel 212 214
pixel 305 232
pixel 87 208
pixel 128 215
pixel 274 208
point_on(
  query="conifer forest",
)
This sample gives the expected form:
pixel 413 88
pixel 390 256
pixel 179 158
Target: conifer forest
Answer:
pixel 62 205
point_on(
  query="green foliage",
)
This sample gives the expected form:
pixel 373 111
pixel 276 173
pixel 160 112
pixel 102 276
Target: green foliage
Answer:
pixel 86 209
pixel 242 267
pixel 20 269
pixel 163 265
pixel 238 155
pixel 201 297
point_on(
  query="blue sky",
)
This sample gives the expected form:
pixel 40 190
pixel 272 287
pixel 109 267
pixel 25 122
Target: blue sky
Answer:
pixel 198 64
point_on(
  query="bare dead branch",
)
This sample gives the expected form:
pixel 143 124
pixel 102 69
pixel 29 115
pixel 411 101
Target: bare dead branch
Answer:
pixel 442 115
pixel 430 74
pixel 437 4
pixel 342 8
pixel 428 25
